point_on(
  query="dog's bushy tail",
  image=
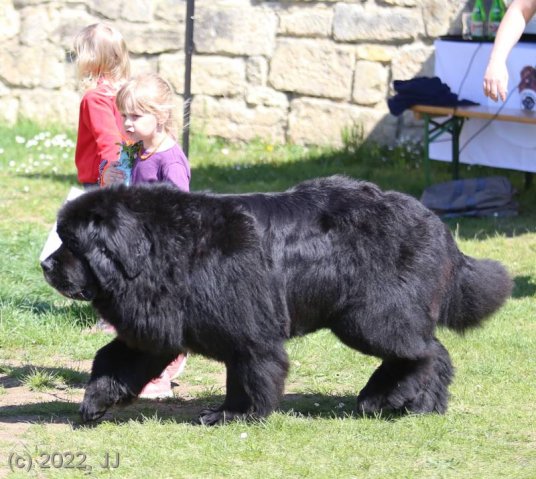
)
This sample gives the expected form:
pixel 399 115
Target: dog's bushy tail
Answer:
pixel 481 287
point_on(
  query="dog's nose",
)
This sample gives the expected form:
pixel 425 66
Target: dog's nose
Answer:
pixel 47 265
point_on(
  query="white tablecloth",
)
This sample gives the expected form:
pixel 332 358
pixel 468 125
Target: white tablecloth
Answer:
pixel 461 66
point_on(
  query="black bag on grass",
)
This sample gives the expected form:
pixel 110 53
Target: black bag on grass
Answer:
pixel 491 196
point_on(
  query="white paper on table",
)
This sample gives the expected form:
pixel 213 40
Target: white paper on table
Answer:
pixel 53 241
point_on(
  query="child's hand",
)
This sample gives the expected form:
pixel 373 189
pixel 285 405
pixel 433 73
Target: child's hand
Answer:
pixel 112 174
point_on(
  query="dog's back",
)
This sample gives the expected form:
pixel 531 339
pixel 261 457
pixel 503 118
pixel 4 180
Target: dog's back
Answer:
pixel 324 231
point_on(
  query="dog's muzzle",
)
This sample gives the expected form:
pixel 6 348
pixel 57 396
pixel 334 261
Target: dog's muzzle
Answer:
pixel 47 265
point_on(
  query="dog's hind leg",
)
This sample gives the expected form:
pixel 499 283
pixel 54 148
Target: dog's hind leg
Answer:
pixel 416 369
pixel 254 387
pixel 409 385
pixel 118 375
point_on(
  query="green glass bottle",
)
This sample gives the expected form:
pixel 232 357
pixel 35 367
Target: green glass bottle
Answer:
pixel 496 13
pixel 478 21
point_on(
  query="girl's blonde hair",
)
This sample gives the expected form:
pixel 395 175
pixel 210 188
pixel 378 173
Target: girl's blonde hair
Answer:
pixel 101 53
pixel 149 93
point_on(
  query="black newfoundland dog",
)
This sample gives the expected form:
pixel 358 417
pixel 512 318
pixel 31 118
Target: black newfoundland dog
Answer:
pixel 232 277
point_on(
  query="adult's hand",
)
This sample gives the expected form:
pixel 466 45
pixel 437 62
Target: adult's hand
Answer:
pixel 496 81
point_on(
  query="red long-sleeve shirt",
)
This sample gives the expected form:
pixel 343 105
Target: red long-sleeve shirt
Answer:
pixel 100 129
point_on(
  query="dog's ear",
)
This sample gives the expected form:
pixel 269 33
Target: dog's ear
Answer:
pixel 526 76
pixel 108 234
pixel 126 241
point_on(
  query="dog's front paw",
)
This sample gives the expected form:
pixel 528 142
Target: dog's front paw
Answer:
pixel 213 417
pixel 90 411
pixel 370 406
pixel 100 395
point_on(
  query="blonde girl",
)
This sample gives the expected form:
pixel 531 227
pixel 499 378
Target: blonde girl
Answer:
pixel 103 66
pixel 146 106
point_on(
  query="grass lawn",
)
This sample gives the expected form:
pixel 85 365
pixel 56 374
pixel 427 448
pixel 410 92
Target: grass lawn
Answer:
pixel 46 350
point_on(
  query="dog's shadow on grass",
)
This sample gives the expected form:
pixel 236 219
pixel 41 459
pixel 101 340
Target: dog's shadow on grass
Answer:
pixel 181 411
pixel 66 384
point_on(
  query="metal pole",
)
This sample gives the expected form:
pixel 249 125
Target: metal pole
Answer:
pixel 188 51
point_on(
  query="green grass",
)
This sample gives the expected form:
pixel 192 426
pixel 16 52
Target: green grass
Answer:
pixel 489 430
pixel 37 380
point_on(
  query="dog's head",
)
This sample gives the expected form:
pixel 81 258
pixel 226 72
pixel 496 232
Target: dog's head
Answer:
pixel 104 244
pixel 527 87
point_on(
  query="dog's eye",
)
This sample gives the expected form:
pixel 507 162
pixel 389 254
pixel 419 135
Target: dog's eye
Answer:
pixel 73 244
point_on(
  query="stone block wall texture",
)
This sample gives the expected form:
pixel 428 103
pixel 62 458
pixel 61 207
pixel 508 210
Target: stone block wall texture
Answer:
pixel 297 71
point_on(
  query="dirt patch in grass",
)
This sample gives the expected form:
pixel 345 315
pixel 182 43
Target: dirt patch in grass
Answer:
pixel 57 407
pixel 21 407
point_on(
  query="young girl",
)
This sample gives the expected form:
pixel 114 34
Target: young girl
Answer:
pixel 103 66
pixel 146 106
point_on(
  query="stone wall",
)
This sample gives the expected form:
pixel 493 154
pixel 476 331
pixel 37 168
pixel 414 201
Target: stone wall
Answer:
pixel 286 71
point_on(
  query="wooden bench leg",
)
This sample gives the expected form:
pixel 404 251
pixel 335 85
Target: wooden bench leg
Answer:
pixel 427 176
pixel 456 129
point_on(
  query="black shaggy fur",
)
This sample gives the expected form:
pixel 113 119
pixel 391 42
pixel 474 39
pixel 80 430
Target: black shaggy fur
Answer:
pixel 232 277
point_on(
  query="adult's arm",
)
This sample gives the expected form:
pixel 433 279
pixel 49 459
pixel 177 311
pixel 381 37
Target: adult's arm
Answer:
pixel 510 30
